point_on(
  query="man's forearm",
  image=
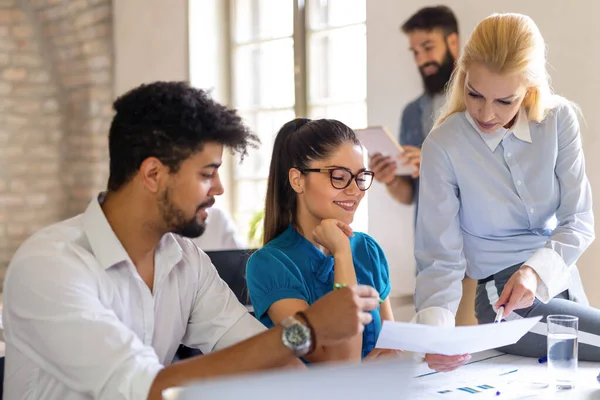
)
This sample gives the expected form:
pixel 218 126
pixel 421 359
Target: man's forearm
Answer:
pixel 261 352
pixel 401 189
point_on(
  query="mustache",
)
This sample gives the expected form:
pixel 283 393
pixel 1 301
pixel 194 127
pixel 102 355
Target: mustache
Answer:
pixel 437 82
pixel 429 64
pixel 208 203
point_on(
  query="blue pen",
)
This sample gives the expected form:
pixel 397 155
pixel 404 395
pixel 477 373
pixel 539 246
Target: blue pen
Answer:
pixel 543 360
pixel 509 372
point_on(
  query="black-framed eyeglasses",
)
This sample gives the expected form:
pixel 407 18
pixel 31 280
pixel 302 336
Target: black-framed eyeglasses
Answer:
pixel 342 177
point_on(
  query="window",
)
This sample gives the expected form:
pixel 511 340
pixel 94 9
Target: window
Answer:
pixel 293 58
pixel 337 68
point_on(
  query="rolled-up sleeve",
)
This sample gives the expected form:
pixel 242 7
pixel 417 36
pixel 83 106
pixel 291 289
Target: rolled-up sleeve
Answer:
pixel 575 230
pixel 54 316
pixel 438 240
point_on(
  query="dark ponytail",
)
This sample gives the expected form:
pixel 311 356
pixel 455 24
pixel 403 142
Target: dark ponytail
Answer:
pixel 297 143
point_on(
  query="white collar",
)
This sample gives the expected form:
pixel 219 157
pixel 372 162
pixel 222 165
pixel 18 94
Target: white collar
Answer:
pixel 108 249
pixel 520 129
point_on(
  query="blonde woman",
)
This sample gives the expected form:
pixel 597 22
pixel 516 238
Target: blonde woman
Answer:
pixel 504 195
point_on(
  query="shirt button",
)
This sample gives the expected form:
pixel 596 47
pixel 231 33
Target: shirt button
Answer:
pixel 509 155
pixel 519 184
pixel 531 210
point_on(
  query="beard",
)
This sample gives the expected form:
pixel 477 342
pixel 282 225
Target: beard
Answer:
pixel 436 83
pixel 175 219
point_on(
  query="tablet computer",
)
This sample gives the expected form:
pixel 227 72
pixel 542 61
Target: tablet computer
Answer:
pixel 376 139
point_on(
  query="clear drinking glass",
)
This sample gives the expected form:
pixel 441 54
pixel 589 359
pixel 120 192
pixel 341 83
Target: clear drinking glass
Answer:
pixel 562 350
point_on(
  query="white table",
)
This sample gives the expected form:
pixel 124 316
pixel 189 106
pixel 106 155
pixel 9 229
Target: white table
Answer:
pixel 397 380
pixel 495 369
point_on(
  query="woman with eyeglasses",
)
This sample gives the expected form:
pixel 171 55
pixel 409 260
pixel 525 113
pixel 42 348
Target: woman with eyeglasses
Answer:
pixel 317 179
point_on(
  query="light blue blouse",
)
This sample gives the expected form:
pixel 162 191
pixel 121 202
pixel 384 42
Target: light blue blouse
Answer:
pixel 490 201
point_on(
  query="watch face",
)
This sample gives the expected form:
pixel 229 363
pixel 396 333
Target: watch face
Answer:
pixel 296 335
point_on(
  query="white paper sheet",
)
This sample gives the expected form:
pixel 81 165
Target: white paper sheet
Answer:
pixel 452 341
pixel 513 376
pixel 377 139
pixel 484 382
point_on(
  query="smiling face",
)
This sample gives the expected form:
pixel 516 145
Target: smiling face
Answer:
pixel 318 198
pixel 189 192
pixel 434 53
pixel 491 99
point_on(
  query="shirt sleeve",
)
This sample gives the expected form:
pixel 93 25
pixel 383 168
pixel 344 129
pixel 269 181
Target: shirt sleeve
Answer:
pixel 54 315
pixel 405 138
pixel 218 319
pixel 438 240
pixel 402 139
pixel 272 277
pixel 381 271
pixel 575 230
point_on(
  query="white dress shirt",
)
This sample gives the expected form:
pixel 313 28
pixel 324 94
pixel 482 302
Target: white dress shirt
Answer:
pixel 80 323
pixel 490 201
pixel 220 234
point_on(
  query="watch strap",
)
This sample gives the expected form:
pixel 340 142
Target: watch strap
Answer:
pixel 313 337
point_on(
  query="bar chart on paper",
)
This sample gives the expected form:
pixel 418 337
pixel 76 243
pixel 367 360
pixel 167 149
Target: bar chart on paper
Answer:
pixel 461 392
pixel 504 386
pixel 513 377
pixel 486 378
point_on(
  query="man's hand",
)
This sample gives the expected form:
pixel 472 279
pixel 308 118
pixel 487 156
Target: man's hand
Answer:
pixel 412 156
pixel 342 314
pixel 519 291
pixel 441 363
pixel 384 168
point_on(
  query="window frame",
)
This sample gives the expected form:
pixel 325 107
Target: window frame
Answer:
pixel 302 106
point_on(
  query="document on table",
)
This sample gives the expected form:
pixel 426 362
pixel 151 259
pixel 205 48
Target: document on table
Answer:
pixel 452 341
pixel 512 380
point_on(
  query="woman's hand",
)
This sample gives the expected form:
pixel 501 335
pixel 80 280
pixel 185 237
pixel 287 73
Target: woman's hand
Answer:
pixel 519 291
pixel 441 363
pixel 333 235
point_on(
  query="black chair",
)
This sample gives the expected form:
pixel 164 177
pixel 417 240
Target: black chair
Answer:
pixel 231 266
pixel 1 377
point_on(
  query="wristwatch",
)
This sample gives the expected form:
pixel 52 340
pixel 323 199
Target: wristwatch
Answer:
pixel 297 335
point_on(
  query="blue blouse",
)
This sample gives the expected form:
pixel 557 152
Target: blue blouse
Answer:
pixel 291 267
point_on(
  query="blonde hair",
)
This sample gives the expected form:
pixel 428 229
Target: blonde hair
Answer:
pixel 505 44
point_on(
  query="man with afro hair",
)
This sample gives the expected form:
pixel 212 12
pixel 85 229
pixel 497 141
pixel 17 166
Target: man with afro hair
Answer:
pixel 96 306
